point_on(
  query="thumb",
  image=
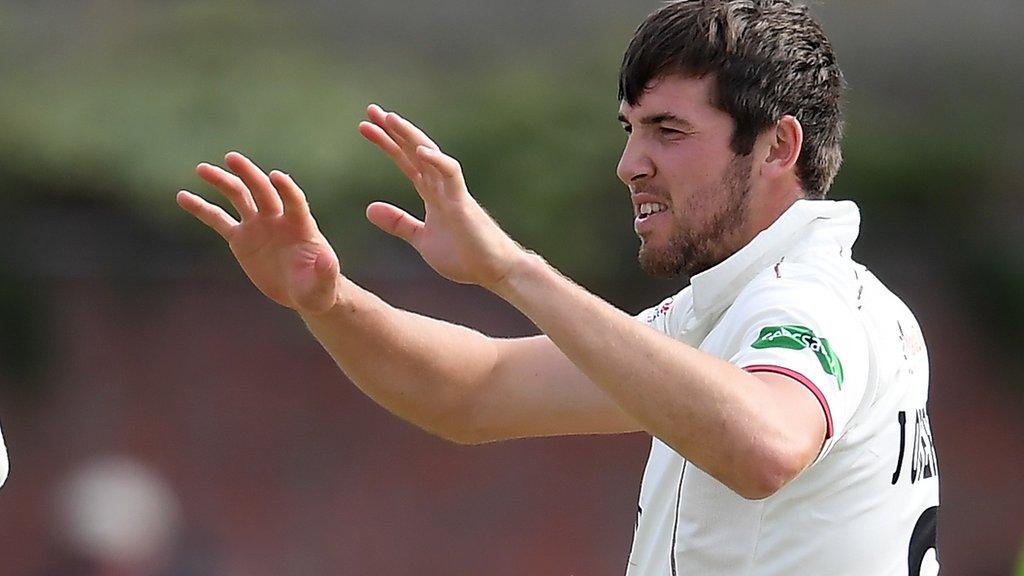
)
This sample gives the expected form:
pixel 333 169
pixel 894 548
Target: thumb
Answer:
pixel 394 221
pixel 315 288
pixel 327 264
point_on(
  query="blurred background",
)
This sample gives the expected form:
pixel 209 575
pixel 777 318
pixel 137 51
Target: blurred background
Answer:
pixel 164 419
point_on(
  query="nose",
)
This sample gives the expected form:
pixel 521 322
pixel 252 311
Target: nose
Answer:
pixel 635 164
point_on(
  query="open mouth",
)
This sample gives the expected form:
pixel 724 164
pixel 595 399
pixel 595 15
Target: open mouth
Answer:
pixel 648 208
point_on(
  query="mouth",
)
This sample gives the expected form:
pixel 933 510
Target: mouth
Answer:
pixel 647 209
pixel 647 216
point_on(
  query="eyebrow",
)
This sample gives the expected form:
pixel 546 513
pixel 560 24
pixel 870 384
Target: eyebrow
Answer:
pixel 659 118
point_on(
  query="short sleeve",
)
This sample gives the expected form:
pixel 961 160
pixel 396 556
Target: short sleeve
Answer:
pixel 801 329
pixel 656 316
pixel 669 316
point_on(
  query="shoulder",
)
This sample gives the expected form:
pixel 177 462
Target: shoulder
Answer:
pixel 791 305
pixel 795 286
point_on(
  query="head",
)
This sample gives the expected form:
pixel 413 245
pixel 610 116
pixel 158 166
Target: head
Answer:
pixel 733 113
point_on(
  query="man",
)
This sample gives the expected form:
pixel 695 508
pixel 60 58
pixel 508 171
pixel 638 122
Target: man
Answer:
pixel 785 388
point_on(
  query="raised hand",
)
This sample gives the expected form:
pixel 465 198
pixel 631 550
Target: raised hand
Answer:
pixel 276 240
pixel 456 236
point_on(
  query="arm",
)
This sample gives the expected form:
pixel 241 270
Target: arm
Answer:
pixel 754 433
pixel 447 379
pixel 457 383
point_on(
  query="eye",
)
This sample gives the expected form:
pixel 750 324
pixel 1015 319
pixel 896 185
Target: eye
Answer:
pixel 666 131
pixel 627 128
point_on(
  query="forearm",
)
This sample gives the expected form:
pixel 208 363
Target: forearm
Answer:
pixel 422 370
pixel 716 415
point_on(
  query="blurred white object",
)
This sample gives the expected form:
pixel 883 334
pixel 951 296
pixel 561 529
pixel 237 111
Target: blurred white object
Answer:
pixel 930 564
pixel 5 465
pixel 118 510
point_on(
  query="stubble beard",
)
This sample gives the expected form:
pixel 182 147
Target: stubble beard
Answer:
pixel 693 249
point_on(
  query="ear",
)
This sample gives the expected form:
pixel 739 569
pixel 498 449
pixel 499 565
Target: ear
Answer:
pixel 785 141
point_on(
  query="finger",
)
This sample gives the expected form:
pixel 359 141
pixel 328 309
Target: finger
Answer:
pixel 378 116
pixel 433 181
pixel 447 168
pixel 391 125
pixel 411 139
pixel 292 197
pixel 427 179
pixel 395 221
pixel 376 135
pixel 408 131
pixel 268 202
pixel 230 186
pixel 213 216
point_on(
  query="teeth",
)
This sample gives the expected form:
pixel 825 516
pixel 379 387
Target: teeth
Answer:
pixel 648 208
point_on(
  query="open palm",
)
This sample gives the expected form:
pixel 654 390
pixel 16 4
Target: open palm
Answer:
pixel 275 240
pixel 279 246
pixel 456 236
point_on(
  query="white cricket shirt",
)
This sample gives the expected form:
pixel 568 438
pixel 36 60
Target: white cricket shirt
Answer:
pixel 793 302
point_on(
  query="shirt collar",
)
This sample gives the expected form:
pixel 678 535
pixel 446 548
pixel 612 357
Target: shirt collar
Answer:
pixel 820 222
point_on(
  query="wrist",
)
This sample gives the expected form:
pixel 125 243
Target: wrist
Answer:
pixel 343 303
pixel 526 266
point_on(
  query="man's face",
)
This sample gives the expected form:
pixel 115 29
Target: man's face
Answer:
pixel 690 191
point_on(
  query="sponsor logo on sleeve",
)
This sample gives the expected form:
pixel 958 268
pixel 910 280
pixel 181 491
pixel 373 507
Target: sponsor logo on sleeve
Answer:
pixel 800 338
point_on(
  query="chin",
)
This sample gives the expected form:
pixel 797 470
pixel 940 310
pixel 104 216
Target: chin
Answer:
pixel 677 259
pixel 660 263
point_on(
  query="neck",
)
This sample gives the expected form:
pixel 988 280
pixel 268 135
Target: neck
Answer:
pixel 765 209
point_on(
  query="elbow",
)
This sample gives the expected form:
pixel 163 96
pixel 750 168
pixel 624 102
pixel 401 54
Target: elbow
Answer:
pixel 775 461
pixel 464 436
pixel 453 431
pixel 456 430
pixel 469 430
pixel 764 483
pixel 771 473
pixel 460 424
pixel 471 435
pixel 478 419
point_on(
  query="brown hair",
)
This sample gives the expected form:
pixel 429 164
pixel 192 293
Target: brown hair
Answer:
pixel 769 59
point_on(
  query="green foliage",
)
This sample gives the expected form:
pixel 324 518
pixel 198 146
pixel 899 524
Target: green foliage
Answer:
pixel 127 119
pixel 124 114
pixel 130 117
